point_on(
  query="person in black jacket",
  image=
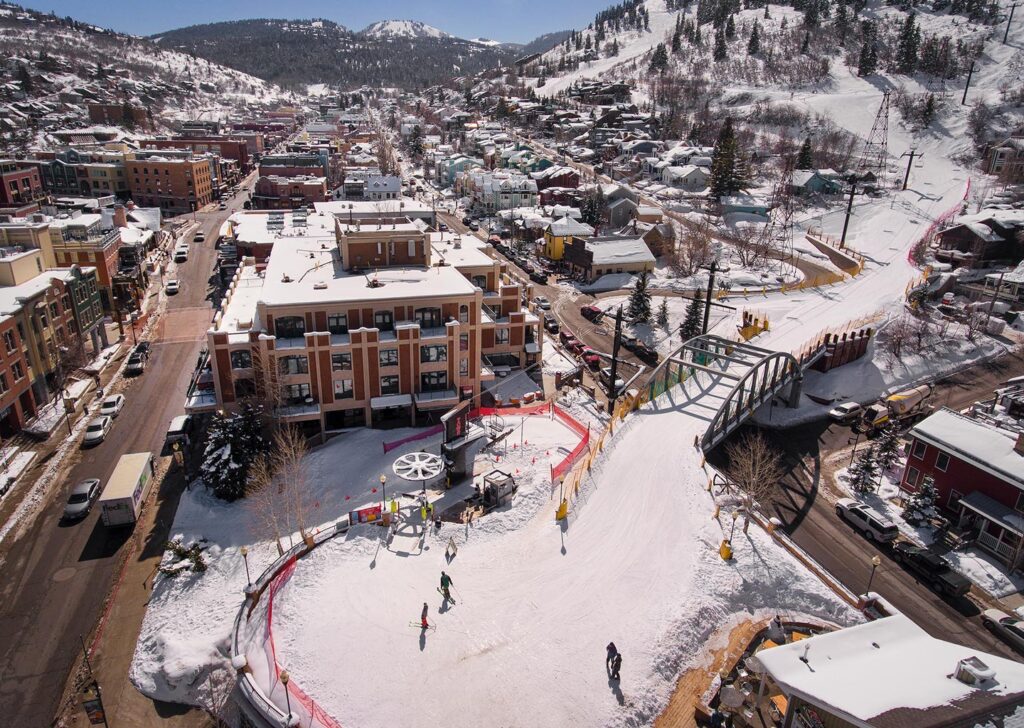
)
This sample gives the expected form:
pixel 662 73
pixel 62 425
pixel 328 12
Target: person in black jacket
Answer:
pixel 616 664
pixel 612 652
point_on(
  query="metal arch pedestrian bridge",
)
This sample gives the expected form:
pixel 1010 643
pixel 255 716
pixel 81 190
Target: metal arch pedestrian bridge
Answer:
pixel 741 378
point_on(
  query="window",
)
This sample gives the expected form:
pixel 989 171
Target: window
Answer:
pixel 337 323
pixel 290 327
pixel 913 474
pixel 480 282
pixel 3 383
pixel 296 393
pixel 341 362
pixel 293 365
pixel 463 367
pixel 463 342
pixel 433 353
pixel 343 389
pixel 389 385
pixel 920 449
pixel 388 357
pixel 9 341
pixel 241 359
pixel 1019 506
pixel 434 382
pixel 501 336
pixel 54 311
pixel 384 320
pixel 941 461
pixel 429 318
pixel 463 314
pixel 954 499
pixel 17 371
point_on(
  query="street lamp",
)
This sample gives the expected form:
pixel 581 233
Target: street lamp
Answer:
pixel 245 558
pixel 287 698
pixel 383 493
pixel 875 563
pixel 735 515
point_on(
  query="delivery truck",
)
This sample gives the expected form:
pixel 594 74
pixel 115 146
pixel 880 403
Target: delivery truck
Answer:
pixel 902 408
pixel 127 489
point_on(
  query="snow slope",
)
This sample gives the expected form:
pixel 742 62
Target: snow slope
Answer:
pixel 403 29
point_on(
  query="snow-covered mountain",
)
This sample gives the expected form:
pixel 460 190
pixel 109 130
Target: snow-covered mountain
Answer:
pixel 402 29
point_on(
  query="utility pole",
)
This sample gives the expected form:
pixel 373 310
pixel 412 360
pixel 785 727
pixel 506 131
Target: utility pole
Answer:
pixel 963 101
pixel 849 211
pixel 707 299
pixel 613 393
pixel 1008 21
pixel 910 162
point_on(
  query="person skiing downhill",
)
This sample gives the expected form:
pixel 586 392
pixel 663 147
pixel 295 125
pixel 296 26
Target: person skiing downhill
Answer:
pixel 446 585
pixel 423 617
pixel 612 652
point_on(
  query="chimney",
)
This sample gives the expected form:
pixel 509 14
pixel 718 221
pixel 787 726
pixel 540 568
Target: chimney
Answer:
pixel 120 216
pixel 1018 447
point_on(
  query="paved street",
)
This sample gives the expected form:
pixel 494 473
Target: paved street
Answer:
pixel 808 515
pixel 57 576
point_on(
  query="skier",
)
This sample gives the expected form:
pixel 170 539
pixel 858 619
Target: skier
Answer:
pixel 423 617
pixel 612 652
pixel 616 664
pixel 446 585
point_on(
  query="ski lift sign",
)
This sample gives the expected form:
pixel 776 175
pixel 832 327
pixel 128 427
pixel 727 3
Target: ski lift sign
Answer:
pixel 365 515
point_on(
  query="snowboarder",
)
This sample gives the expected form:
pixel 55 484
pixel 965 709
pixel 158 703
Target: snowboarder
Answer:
pixel 446 585
pixel 612 652
pixel 423 617
pixel 616 664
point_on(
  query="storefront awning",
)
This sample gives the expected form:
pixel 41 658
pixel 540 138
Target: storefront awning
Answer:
pixel 994 511
pixel 391 400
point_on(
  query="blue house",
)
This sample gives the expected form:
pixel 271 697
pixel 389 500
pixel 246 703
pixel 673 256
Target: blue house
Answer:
pixel 744 203
pixel 816 181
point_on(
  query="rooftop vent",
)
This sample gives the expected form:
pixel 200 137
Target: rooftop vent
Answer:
pixel 320 286
pixel 972 671
pixel 286 278
pixel 374 283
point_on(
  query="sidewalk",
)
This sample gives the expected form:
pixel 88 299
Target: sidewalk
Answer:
pixel 114 640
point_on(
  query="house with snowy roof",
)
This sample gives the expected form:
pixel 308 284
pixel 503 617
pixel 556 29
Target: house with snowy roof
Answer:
pixel 816 181
pixel 744 203
pixel 592 258
pixel 561 231
pixel 977 466
pixel 1006 159
pixel 889 673
pixel 688 177
pixel 986 237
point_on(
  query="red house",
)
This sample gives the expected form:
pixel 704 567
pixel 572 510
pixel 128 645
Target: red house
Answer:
pixel 978 469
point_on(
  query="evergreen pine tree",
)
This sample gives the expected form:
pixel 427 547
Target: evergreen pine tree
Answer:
pixel 921 505
pixel 928 110
pixel 659 61
pixel 726 169
pixel 806 45
pixel 222 468
pixel 730 28
pixel 805 157
pixel 841 25
pixel 662 317
pixel 868 61
pixel 887 446
pixel 677 42
pixel 754 45
pixel 863 474
pixel 767 14
pixel 721 51
pixel 640 300
pixel 693 320
pixel 615 47
pixel 907 45
pixel 416 141
pixel 812 14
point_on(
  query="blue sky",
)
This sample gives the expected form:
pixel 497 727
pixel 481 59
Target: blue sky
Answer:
pixel 506 20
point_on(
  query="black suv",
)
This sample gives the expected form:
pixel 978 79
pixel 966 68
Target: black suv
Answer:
pixel 931 568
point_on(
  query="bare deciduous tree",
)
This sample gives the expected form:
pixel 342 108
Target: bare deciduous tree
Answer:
pixel 755 467
pixel 278 483
pixel 693 249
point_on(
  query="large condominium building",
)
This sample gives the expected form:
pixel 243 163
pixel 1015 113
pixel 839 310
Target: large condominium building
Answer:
pixel 366 322
pixel 176 186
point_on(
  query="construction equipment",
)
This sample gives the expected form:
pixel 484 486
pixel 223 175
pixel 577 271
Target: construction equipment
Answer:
pixel 901 407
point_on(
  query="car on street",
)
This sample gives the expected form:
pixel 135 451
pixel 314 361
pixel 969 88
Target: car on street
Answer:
pixel 591 313
pixel 474 226
pixel 136 364
pixel 867 520
pixel 542 303
pixel 646 354
pixel 565 336
pixel 143 348
pixel 112 405
pixel 846 412
pixel 551 323
pixel 576 346
pixel 931 568
pixel 1003 625
pixel 590 358
pixel 181 253
pixel 443 228
pixel 172 286
pixel 466 220
pixel 96 431
pixel 199 237
pixel 81 498
pixel 222 206
pixel 606 378
pixel 539 277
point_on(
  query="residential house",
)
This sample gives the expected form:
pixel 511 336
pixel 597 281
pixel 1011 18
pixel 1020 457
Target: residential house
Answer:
pixel 689 177
pixel 978 469
pixel 816 182
pixel 1006 159
pixel 744 204
pixel 594 257
pixel 984 238
pixel 559 232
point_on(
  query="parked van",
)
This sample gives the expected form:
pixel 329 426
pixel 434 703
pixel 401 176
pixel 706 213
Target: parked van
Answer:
pixel 127 489
pixel 867 520
pixel 180 430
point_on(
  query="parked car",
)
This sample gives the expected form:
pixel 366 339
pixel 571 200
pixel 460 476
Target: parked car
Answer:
pixel 181 254
pixel 846 412
pixel 474 226
pixel 646 354
pixel 867 520
pixel 97 429
pixel 1002 624
pixel 136 364
pixel 590 358
pixel 443 228
pixel 629 342
pixel 466 220
pixel 591 313
pixel 931 568
pixel 575 346
pixel 81 498
pixel 565 335
pixel 222 206
pixel 606 377
pixel 112 405
pixel 551 323
pixel 542 303
pixel 143 348
pixel 172 287
pixel 539 277
pixel 199 237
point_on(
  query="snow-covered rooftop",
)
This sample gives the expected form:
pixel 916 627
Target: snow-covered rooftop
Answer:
pixel 878 671
pixel 612 250
pixel 469 254
pixel 259 227
pixel 983 446
pixel 568 226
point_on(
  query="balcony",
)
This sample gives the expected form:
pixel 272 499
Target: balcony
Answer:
pixel 201 400
pixel 433 400
pixel 306 409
